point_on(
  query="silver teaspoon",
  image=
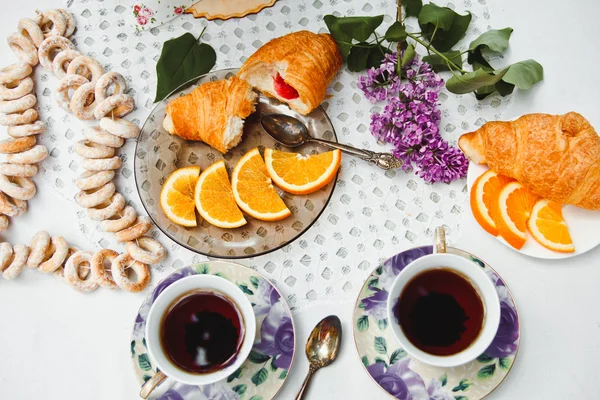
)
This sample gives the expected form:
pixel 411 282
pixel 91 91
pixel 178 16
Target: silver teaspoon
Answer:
pixel 322 347
pixel 291 132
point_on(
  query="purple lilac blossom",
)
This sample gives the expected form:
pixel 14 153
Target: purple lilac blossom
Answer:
pixel 277 336
pixel 505 342
pixel 410 120
pixel 399 380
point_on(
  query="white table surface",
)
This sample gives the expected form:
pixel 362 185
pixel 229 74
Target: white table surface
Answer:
pixel 57 344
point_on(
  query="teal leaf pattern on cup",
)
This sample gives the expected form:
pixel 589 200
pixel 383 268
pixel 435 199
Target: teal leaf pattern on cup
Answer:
pixel 260 376
pixel 362 323
pixel 144 362
pixel 486 372
pixel 380 345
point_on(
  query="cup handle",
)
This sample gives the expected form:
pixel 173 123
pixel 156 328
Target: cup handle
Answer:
pixel 151 384
pixel 440 240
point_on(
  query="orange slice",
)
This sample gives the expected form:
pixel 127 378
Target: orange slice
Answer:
pixel 484 191
pixel 214 198
pixel 511 210
pixel 254 191
pixel 302 174
pixel 549 228
pixel 177 196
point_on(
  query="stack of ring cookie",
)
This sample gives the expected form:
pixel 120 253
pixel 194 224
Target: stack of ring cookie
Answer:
pixel 85 271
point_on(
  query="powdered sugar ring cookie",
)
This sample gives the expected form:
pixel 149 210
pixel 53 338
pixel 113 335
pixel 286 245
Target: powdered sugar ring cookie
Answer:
pixel 81 104
pixel 67 83
pixel 107 209
pixel 50 47
pixel 34 155
pixel 120 221
pixel 23 48
pixel 26 130
pixel 15 72
pixel 60 271
pixel 53 23
pixel 38 246
pixel 10 146
pixel 18 105
pixel 8 90
pixel 120 127
pixel 26 117
pixel 61 63
pixel 20 187
pixel 116 105
pixel 119 273
pixel 72 266
pixel 100 273
pixel 55 254
pixel 93 179
pixel 19 258
pixel 94 197
pixel 135 231
pixel 12 207
pixel 70 21
pixel 97 135
pixel 110 84
pixel 18 169
pixel 3 222
pixel 146 250
pixel 6 254
pixel 29 28
pixel 89 149
pixel 104 164
pixel 84 63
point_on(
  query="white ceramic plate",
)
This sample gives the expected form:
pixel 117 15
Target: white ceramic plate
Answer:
pixel 583 227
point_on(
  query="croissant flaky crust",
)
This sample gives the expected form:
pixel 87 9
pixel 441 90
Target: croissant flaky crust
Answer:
pixel 555 156
pixel 214 113
pixel 306 61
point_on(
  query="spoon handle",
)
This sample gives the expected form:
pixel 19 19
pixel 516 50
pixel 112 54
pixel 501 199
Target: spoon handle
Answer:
pixel 382 160
pixel 311 370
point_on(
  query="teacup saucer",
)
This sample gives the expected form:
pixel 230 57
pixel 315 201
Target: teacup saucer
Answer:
pixel 264 372
pixel 403 377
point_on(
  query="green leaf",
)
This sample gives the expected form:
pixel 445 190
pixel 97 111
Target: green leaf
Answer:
pixel 382 361
pixel 273 366
pixel 236 374
pixel 283 375
pixel 472 81
pixel 380 345
pixel 144 362
pixel 361 305
pixel 144 342
pixel 444 379
pixel 412 7
pixel 484 358
pixel 260 376
pixel 358 28
pixel 396 32
pixel 258 358
pixel 462 386
pixel 376 55
pixel 379 270
pixel 146 378
pixel 397 355
pixel 480 263
pixel 460 398
pixel 239 389
pixel 133 348
pixel 486 372
pixel 439 64
pixel 524 74
pixel 358 58
pixel 373 282
pixel 504 363
pixel 433 18
pixel 362 323
pixel 365 361
pixel 254 280
pixel 182 59
pixel 256 398
pixel 495 40
pixel 408 55
pixel 202 269
pixel 382 324
pixel 245 289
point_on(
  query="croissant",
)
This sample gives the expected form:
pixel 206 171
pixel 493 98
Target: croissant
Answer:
pixel 557 157
pixel 295 68
pixel 213 113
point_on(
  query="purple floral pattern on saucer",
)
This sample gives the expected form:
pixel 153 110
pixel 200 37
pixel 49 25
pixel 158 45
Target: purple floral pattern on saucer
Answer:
pixel 264 372
pixel 404 378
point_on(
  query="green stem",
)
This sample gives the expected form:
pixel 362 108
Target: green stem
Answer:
pixel 430 47
pixel 202 33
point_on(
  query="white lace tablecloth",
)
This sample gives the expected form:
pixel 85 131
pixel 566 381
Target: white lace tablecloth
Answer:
pixel 373 214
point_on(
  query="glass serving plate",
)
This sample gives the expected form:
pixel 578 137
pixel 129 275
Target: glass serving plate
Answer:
pixel 159 153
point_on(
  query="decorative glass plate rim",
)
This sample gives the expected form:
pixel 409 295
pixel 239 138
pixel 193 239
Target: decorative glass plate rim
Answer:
pixel 186 246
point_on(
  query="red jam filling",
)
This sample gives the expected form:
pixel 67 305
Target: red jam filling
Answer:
pixel 283 89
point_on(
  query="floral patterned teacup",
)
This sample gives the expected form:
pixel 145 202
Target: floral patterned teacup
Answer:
pixel 480 281
pixel 160 307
